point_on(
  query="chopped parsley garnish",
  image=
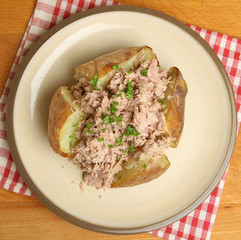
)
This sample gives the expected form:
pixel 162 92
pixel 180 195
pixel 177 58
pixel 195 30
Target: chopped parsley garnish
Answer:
pixel 131 131
pixel 89 125
pixel 138 158
pixel 94 82
pixel 144 72
pixel 160 101
pixel 119 120
pixel 131 147
pixel 117 95
pixel 115 67
pixel 75 125
pixel 129 72
pixel 83 175
pixel 110 146
pixel 113 107
pixel 101 139
pixel 117 158
pixel 129 90
pixel 144 165
pixel 73 138
pixel 119 140
pixel 103 130
pixel 108 119
pixel 119 178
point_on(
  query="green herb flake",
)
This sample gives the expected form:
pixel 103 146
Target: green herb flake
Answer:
pixel 94 82
pixel 101 139
pixel 129 72
pixel 117 95
pixel 75 125
pixel 108 118
pixel 119 178
pixel 144 72
pixel 110 146
pixel 117 158
pixel 144 165
pixel 119 120
pixel 115 67
pixel 138 159
pixel 160 101
pixel 129 90
pixel 131 131
pixel 89 125
pixel 131 147
pixel 103 130
pixel 119 140
pixel 113 107
pixel 73 138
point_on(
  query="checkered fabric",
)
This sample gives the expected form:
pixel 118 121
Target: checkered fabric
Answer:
pixel 198 224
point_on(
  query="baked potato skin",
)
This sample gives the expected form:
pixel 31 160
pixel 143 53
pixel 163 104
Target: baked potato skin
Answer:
pixel 59 111
pixel 175 105
pixel 145 172
pixel 103 65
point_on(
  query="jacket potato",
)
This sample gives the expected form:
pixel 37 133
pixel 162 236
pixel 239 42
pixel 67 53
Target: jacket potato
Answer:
pixel 66 117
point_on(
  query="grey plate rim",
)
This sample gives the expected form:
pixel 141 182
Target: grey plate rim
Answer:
pixel 50 205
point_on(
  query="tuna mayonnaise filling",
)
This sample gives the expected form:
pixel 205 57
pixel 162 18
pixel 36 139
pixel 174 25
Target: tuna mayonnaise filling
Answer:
pixel 123 120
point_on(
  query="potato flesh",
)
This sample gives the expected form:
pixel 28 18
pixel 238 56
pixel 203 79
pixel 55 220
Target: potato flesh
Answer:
pixel 67 134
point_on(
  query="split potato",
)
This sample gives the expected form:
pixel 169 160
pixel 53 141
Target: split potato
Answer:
pixel 64 117
pixel 135 172
pixel 174 102
pixel 102 66
pixel 65 114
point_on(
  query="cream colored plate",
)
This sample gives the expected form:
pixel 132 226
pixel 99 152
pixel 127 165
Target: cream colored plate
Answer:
pixel 196 165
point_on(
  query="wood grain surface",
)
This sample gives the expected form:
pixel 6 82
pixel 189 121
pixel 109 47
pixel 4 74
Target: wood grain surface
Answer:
pixel 23 217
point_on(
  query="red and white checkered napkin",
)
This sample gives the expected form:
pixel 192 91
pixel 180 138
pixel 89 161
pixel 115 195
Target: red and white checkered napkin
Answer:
pixel 198 224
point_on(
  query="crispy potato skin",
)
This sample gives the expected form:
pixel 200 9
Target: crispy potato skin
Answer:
pixel 152 171
pixel 176 108
pixel 59 111
pixel 103 64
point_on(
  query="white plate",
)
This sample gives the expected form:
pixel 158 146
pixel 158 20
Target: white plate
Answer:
pixel 196 165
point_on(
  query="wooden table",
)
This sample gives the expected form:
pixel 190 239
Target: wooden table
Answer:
pixel 23 217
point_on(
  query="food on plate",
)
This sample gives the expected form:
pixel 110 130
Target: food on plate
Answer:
pixel 136 171
pixel 119 117
pixel 174 100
